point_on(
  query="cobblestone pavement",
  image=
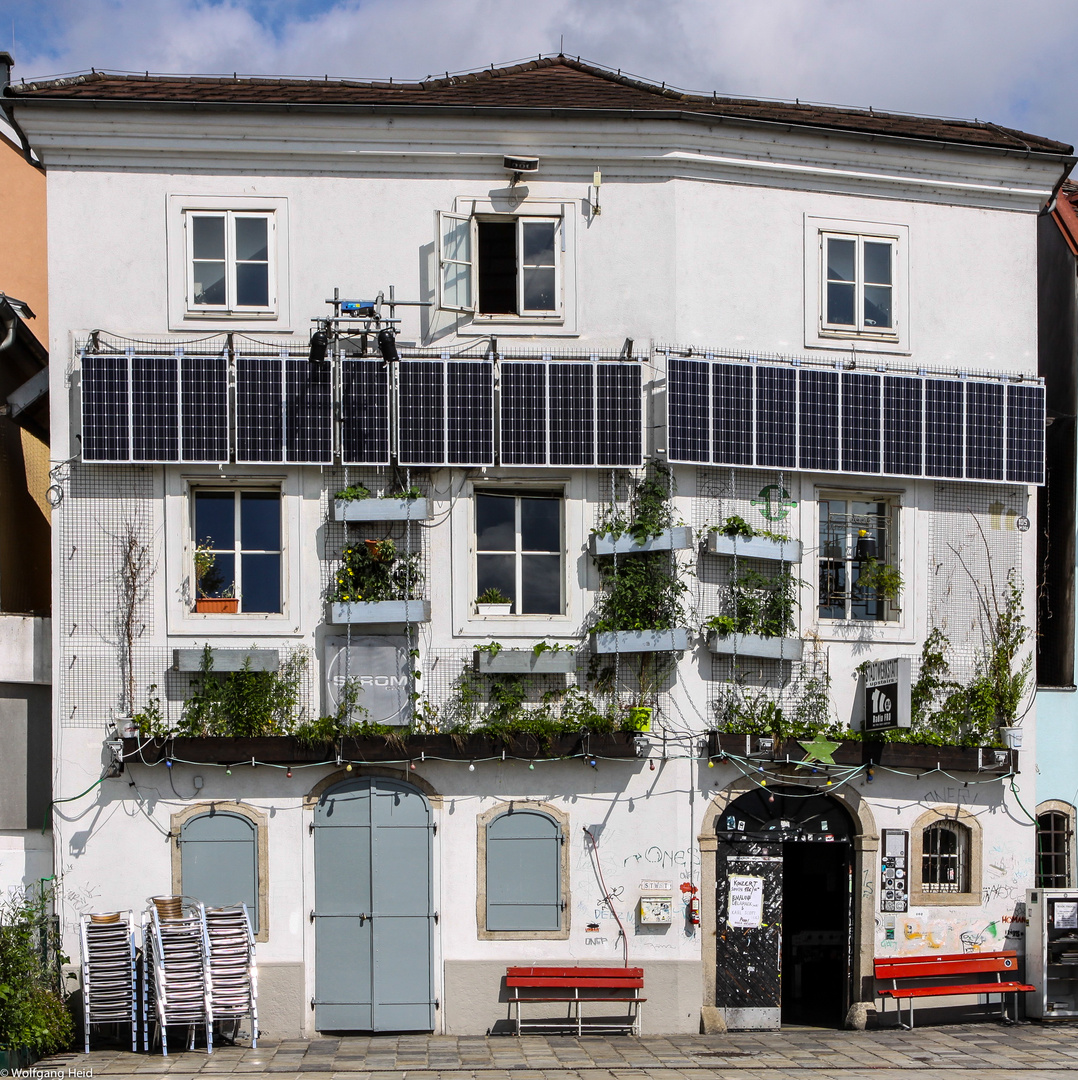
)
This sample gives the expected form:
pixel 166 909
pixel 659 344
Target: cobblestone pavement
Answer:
pixel 1025 1051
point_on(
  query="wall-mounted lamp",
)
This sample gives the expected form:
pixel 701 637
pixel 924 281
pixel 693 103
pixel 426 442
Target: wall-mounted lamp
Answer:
pixel 387 345
pixel 520 167
pixel 596 182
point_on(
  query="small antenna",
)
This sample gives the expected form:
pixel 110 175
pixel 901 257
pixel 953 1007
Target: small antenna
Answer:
pixel 561 46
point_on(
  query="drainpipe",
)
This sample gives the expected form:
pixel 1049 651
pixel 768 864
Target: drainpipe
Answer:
pixel 8 321
pixel 7 62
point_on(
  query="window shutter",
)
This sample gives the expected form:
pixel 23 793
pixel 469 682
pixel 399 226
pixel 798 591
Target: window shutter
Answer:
pixel 523 872
pixel 455 276
pixel 219 861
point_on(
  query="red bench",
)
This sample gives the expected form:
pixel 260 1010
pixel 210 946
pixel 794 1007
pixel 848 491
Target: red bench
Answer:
pixel 535 985
pixel 922 977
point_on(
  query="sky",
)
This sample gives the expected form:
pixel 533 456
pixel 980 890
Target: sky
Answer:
pixel 1000 60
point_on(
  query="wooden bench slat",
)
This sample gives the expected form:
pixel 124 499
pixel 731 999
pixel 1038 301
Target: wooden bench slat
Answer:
pixel 568 972
pixel 598 984
pixel 583 1000
pixel 955 989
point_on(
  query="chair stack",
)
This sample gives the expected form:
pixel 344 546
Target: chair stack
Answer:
pixel 108 972
pixel 234 979
pixel 177 986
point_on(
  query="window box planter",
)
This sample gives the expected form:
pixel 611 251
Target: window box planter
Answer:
pixel 991 760
pixel 524 662
pixel 285 750
pixel 225 660
pixel 217 605
pixel 379 509
pixel 756 547
pixel 380 611
pixel 768 648
pixel 634 641
pixel 493 609
pixel 18 1057
pixel 677 539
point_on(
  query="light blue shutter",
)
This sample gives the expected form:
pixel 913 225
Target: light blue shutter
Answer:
pixel 523 872
pixel 219 861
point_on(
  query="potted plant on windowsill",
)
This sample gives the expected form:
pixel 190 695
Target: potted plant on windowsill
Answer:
pixel 493 602
pixel 212 596
pixel 357 503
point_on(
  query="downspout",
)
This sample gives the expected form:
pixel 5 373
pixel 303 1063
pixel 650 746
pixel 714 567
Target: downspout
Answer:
pixel 7 62
pixel 9 322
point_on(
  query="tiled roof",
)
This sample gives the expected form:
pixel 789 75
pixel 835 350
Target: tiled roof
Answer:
pixel 556 83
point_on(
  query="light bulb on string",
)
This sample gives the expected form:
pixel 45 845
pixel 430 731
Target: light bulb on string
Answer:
pixel 531 766
pixel 651 765
pixel 168 763
pixel 348 767
pixel 289 774
pixel 228 772
pixel 710 763
pixel 411 765
pixel 471 766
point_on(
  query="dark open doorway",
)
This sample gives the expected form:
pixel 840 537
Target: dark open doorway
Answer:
pixel 815 933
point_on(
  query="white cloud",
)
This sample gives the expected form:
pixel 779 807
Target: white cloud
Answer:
pixel 986 58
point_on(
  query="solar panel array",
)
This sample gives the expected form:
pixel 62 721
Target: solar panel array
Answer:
pixel 445 412
pixel 155 408
pixel 822 420
pixel 364 412
pixel 571 413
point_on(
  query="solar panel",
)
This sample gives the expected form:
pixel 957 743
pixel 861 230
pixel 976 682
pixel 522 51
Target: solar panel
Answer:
pixel 619 414
pixel 984 431
pixel 523 413
pixel 204 408
pixel 470 412
pixel 106 409
pixel 155 408
pixel 308 411
pixel 421 412
pixel 571 389
pixel 688 415
pixel 1025 434
pixel 259 409
pixel 364 412
pixel 903 403
pixel 943 428
pixel 818 415
pixel 860 428
pixel 776 417
pixel 732 413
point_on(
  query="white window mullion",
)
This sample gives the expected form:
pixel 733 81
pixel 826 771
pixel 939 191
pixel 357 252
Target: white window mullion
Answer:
pixel 518 554
pixel 230 261
pixel 237 547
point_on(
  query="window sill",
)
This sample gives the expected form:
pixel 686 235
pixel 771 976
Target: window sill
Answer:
pixel 966 899
pixel 523 935
pixel 193 624
pixel 530 626
pixel 861 630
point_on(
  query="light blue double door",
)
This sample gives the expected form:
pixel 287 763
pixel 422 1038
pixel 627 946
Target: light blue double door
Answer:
pixel 373 916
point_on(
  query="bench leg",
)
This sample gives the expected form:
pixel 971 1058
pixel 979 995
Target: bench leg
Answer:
pixel 579 1019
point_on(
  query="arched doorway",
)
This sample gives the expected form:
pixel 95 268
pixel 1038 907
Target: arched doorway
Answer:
pixel 784 908
pixel 373 907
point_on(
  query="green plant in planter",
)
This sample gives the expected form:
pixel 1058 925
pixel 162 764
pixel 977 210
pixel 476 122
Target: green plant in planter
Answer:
pixel 410 493
pixel 149 720
pixel 882 578
pixel 650 512
pixel 33 1014
pixel 756 604
pixel 737 526
pixel 375 570
pixel 641 591
pixel 352 493
pixel 493 595
pixel 244 703
pixel 209 581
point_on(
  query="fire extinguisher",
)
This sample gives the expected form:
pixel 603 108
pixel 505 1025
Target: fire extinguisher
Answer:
pixel 692 903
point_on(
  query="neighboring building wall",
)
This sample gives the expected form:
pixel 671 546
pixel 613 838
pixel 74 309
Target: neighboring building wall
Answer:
pixel 22 224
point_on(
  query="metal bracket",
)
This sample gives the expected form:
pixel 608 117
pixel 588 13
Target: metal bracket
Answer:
pixel 436 917
pixel 312 920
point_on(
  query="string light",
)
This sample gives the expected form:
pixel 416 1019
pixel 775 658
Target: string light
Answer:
pixel 289 774
pixel 471 766
pixel 348 767
pixel 651 764
pixel 531 765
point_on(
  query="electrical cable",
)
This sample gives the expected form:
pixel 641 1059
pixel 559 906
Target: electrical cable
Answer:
pixel 71 798
pixel 607 898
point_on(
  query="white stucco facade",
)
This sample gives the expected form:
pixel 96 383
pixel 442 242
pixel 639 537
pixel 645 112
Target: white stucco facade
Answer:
pixel 707 238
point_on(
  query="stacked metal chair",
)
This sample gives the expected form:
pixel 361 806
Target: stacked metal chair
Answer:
pixel 176 980
pixel 233 975
pixel 108 972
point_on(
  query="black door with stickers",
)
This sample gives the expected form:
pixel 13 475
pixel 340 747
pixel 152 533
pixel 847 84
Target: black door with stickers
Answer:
pixel 812 958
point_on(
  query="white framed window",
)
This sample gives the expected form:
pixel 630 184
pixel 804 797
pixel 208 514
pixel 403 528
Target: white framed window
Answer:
pixel 946 858
pixel 237 553
pixel 856 285
pixel 859 559
pixel 508 268
pixel 519 549
pixel 227 261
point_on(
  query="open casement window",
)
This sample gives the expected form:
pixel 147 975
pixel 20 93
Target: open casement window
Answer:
pixel 857 280
pixel 219 861
pixel 858 551
pixel 501 266
pixel 523 870
pixel 230 262
pixel 945 858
